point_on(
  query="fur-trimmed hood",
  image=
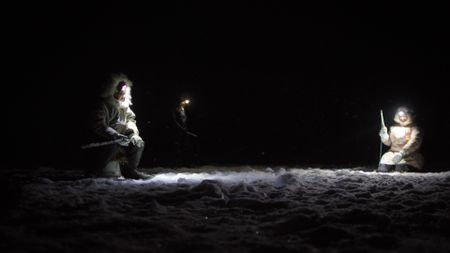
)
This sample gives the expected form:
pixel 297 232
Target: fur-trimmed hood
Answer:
pixel 407 111
pixel 110 88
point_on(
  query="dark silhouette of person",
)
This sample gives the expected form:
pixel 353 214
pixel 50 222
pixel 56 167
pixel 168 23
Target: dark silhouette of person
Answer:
pixel 184 148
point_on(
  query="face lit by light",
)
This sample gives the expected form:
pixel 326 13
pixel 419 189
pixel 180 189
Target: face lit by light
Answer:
pixel 120 95
pixel 402 116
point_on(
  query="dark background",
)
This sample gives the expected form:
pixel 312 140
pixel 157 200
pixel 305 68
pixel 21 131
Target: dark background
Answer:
pixel 271 83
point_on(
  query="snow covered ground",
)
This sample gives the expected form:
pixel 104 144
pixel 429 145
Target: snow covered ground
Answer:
pixel 226 209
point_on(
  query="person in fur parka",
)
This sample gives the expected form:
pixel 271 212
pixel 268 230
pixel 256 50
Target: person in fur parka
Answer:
pixel 404 139
pixel 113 120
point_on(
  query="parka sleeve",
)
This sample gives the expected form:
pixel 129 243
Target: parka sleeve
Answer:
pixel 99 122
pixel 387 141
pixel 414 142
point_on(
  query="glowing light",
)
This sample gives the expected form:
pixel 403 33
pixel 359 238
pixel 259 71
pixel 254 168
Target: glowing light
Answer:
pixel 185 102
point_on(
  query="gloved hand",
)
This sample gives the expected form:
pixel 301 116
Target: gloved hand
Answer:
pixel 123 140
pixel 128 132
pixel 137 141
pixel 384 133
pixel 120 127
pixel 397 157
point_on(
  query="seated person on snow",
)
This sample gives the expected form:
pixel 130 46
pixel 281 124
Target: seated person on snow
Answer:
pixel 404 139
pixel 113 119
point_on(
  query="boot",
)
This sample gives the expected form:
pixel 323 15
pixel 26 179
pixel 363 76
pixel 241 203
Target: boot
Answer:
pixel 129 169
pixel 404 168
pixel 133 174
pixel 385 168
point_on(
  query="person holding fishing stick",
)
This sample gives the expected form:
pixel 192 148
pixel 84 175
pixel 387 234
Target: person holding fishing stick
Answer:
pixel 112 127
pixel 404 139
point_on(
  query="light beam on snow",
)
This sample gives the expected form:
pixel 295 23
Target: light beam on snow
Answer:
pixel 267 176
pixel 226 177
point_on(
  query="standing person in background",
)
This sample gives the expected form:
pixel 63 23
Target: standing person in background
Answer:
pixel 404 139
pixel 183 143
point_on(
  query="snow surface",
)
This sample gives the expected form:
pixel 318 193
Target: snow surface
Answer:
pixel 226 209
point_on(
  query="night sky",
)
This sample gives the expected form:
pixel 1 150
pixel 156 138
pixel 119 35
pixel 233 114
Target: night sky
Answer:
pixel 270 83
